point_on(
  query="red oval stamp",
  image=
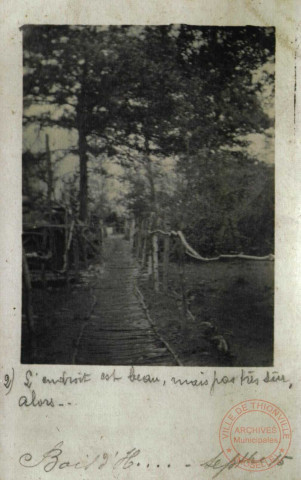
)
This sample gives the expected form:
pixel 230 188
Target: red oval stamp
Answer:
pixel 255 435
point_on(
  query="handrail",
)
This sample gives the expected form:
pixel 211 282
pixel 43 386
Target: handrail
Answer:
pixel 194 254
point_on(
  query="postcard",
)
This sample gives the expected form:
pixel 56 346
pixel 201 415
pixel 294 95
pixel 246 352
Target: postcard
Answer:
pixel 149 240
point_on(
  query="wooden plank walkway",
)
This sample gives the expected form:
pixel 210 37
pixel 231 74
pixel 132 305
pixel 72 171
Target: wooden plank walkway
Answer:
pixel 118 331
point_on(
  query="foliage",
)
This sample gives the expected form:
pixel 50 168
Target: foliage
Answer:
pixel 232 205
pixel 141 95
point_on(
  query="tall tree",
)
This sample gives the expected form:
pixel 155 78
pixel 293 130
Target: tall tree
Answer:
pixel 74 74
pixel 138 91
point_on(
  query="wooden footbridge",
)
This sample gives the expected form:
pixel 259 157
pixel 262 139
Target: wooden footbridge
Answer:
pixel 119 330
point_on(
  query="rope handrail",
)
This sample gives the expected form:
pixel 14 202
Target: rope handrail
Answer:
pixel 194 254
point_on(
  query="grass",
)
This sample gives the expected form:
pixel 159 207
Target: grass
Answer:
pixel 235 296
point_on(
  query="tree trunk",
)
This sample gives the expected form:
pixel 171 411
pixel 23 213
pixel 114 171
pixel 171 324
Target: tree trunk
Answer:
pixel 83 182
pixel 154 213
pixel 81 113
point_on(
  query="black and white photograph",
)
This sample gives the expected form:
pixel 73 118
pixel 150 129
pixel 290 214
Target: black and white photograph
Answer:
pixel 148 195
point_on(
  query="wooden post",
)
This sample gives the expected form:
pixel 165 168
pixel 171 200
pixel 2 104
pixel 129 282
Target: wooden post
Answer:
pixel 182 277
pixel 43 265
pixel 139 238
pixel 28 293
pixel 149 247
pixel 49 170
pixel 132 232
pixel 166 247
pixel 84 247
pixel 149 255
pixel 52 248
pixel 68 244
pixel 235 235
pixel 126 229
pixel 66 253
pixel 144 242
pixel 76 255
pixel 101 238
pixel 28 305
pixel 155 262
